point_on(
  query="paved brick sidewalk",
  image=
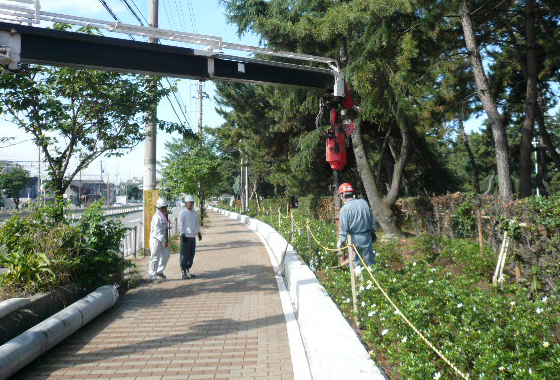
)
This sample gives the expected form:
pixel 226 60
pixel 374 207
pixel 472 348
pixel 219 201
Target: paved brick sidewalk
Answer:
pixel 227 323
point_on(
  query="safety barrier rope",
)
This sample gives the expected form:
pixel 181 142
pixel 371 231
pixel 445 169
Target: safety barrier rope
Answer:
pixel 401 314
pixel 378 285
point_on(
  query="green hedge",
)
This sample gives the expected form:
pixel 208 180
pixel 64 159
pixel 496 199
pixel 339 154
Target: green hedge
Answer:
pixel 489 333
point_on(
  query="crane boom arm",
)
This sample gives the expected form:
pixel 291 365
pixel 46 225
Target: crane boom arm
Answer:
pixel 28 44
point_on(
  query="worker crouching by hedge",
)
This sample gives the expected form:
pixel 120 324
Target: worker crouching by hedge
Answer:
pixel 189 226
pixel 356 221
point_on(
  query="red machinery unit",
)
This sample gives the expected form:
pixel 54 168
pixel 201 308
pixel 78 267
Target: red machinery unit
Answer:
pixel 336 136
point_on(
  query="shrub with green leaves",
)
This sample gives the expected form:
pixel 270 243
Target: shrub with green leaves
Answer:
pixel 100 257
pixel 43 249
pixel 496 333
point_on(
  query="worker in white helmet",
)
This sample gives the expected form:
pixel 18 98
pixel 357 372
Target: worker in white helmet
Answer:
pixel 159 241
pixel 189 226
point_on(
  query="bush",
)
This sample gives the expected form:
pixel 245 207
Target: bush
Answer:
pixel 44 250
pixel 100 257
pixel 495 334
pixel 498 333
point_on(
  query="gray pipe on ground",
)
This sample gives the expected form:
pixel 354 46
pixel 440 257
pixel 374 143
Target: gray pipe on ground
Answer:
pixel 26 347
pixel 12 304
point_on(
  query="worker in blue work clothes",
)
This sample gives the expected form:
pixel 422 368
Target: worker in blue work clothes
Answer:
pixel 357 221
pixel 159 241
pixel 189 226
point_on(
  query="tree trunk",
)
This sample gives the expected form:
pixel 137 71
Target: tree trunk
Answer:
pixel 383 153
pixel 393 193
pixel 546 139
pixel 541 165
pixel 496 122
pixel 471 155
pixel 381 210
pixel 526 147
pixel 543 132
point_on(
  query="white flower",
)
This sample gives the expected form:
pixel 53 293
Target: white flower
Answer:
pixel 459 305
pixel 501 368
pixel 362 288
pixel 414 264
pixel 347 300
pixel 368 287
pixel 384 332
pixel 403 340
pixel 433 270
pixel 545 344
pixel 544 299
pixel 358 270
pixel 512 303
pixel 397 312
pixel 371 313
pixel 431 281
pixel 437 375
pixel 539 310
pixel 363 304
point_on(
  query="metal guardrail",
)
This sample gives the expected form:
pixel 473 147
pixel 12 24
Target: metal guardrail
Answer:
pixel 133 242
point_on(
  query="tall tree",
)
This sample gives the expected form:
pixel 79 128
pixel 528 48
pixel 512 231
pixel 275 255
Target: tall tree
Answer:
pixel 530 102
pixel 12 182
pixel 76 114
pixel 489 103
pixel 190 167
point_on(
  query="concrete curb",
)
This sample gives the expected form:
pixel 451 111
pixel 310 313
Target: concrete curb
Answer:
pixel 333 349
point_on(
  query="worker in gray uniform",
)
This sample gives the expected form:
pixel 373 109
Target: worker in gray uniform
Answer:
pixel 159 242
pixel 356 221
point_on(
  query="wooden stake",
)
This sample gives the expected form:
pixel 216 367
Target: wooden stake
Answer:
pixel 479 225
pixel 279 217
pixel 353 281
pixel 308 236
pixel 292 226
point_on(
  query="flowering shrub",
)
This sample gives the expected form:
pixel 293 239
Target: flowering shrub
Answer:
pixel 489 334
pixel 496 333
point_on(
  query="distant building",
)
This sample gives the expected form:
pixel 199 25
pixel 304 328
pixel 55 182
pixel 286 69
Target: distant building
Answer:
pixel 7 166
pixel 87 191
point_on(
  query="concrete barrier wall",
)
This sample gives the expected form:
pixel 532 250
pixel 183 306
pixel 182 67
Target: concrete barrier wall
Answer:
pixel 333 349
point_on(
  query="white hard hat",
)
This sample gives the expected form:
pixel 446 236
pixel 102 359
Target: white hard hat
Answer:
pixel 189 198
pixel 161 202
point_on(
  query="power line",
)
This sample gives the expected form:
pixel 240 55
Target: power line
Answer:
pixel 125 2
pixel 139 11
pixel 116 18
pixel 106 6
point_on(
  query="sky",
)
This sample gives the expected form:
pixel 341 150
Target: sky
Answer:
pixel 193 16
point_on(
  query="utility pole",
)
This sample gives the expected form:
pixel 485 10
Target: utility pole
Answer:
pixel 149 188
pixel 200 94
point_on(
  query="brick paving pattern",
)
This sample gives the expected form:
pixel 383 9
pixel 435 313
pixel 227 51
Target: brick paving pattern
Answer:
pixel 227 323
